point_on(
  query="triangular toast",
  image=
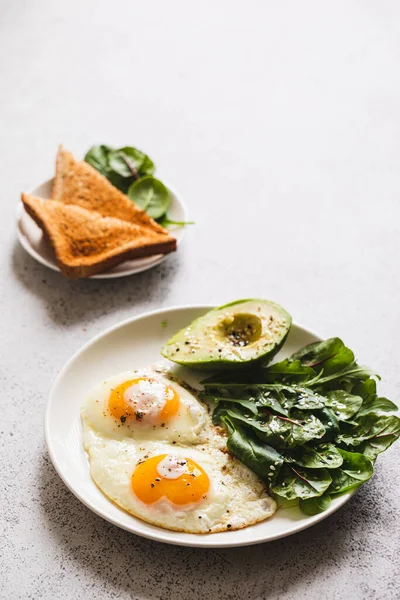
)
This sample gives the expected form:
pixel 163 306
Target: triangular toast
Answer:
pixel 77 182
pixel 86 243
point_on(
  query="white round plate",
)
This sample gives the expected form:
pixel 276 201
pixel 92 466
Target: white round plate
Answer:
pixel 32 239
pixel 132 344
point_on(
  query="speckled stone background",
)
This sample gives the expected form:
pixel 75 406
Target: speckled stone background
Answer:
pixel 280 125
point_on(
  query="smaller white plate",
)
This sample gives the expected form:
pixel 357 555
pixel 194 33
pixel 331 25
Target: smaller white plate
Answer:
pixel 133 344
pixel 33 241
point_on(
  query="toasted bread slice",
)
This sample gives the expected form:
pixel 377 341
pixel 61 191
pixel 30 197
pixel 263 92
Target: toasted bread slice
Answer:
pixel 77 182
pixel 86 243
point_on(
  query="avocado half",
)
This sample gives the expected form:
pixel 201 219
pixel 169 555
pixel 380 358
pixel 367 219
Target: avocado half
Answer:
pixel 242 333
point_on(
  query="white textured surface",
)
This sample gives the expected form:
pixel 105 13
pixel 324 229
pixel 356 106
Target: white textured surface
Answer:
pixel 280 125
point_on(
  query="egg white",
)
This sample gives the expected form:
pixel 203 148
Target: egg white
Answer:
pixel 236 498
pixel 185 427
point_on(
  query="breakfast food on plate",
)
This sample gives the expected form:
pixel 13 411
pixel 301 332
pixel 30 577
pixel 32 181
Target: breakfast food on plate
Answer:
pixel 237 334
pixel 91 225
pixel 144 405
pixel 153 451
pixel 86 243
pixel 304 429
pixel 76 182
pixel 179 488
pixel 311 426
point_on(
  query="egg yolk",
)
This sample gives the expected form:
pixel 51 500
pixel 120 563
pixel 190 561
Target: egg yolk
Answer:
pixel 156 405
pixel 149 486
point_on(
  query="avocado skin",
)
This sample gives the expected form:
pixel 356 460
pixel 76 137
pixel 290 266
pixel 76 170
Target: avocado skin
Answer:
pixel 216 364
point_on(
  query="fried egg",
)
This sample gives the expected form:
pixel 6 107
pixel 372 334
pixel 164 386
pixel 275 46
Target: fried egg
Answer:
pixel 153 451
pixel 143 404
pixel 196 489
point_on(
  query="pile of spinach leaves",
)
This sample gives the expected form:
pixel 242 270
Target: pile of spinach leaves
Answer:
pixel 311 425
pixel 131 171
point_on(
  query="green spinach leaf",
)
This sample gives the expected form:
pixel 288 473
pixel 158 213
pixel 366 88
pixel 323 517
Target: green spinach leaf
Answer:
pixel 371 427
pixel 264 460
pixel 319 456
pixel 371 402
pixel 135 160
pixel 287 371
pixel 348 375
pixel 316 505
pixel 366 389
pixel 376 405
pixel 121 166
pixel 267 396
pixel 280 398
pixel 97 157
pixel 293 483
pixel 329 421
pixel 246 404
pixel 330 356
pixel 356 469
pixel 283 432
pixel 375 446
pixel 151 195
pixel 239 418
pixel 343 404
pixel 306 399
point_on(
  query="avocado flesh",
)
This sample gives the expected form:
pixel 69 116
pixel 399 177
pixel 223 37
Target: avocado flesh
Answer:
pixel 237 334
